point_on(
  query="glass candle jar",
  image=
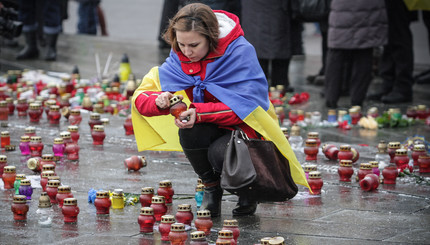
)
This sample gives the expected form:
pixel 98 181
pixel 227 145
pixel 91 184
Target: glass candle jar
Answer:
pixel 22 107
pixel 67 137
pixel 331 116
pixel 52 190
pixel 411 112
pixel 5 138
pixel 75 117
pixel 159 206
pixel 330 151
pixel 70 210
pixel 177 107
pixel 198 238
pixel 146 195
pixel 4 111
pixel 200 189
pixel 58 147
pixel 293 116
pixel 204 222
pixel 102 203
pixel 315 182
pixel 25 189
pixel 375 167
pixel 44 178
pixel 345 170
pixel 345 153
pixel 311 150
pixel 232 225
pixel 19 207
pixel 98 108
pixel 135 163
pixel 47 159
pixel 177 234
pixel 30 131
pixel 165 189
pixel 74 133
pixel 316 137
pixel 8 176
pixel 419 149
pixel 365 169
pixel 392 147
pixel 146 220
pixel 47 105
pixel 370 182
pixel 382 156
pixel 422 112
pixel 118 199
pixel 128 126
pixel 98 134
pixel 164 227
pixel 54 114
pixel 401 158
pixel 295 140
pixel 72 151
pixel 36 146
pixel 309 168
pixel 94 120
pixel 355 116
pixel 424 163
pixel 17 182
pixel 184 214
pixel 226 235
pixel 24 145
pixel 34 112
pixel 63 192
pixel 390 174
pixel 10 106
pixel 3 163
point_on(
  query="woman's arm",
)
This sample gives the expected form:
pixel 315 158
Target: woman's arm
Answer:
pixel 145 104
pixel 215 112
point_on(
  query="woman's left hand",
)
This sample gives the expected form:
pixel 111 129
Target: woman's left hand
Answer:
pixel 186 119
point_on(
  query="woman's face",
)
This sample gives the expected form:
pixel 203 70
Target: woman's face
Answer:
pixel 193 45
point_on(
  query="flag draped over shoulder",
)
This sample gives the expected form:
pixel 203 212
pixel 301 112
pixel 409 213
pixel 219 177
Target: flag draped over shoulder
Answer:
pixel 236 79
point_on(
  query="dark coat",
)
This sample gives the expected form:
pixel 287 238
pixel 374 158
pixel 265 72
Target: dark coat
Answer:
pixel 357 24
pixel 266 24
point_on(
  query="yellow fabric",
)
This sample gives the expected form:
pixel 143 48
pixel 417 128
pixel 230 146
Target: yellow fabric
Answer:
pixel 417 4
pixel 160 133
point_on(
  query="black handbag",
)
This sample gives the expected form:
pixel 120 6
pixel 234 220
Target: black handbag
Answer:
pixel 310 10
pixel 256 169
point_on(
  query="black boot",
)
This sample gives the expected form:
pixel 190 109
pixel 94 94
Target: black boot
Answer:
pixel 51 52
pixel 211 180
pixel 245 207
pixel 30 51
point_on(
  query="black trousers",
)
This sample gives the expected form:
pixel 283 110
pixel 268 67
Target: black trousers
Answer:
pixel 360 63
pixel 276 71
pixel 398 59
pixel 207 136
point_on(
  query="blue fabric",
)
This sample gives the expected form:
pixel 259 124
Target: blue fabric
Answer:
pixel 236 79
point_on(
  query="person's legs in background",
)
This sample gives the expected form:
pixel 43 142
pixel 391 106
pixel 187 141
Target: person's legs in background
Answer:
pixel 52 27
pixel 28 16
pixel 334 76
pixel 361 75
pixel 88 18
pixel 279 74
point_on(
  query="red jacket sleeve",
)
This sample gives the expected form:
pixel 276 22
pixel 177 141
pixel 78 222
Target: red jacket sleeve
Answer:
pixel 215 112
pixel 145 104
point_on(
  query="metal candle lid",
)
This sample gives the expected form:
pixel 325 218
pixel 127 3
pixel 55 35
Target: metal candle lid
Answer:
pixel 165 183
pixel 35 106
pixel 168 219
pixel 198 235
pixel 419 147
pixel 75 112
pixel 277 241
pixel 9 169
pixel 265 240
pixel 146 211
pixel 177 227
pixel 46 174
pixel 295 130
pixel 374 164
pixel 345 148
pixel 345 163
pixel 58 141
pixel 65 135
pixel 203 213
pixel 73 128
pixel 313 135
pixel 102 194
pixel 225 234
pixel 70 202
pixel 3 103
pixel 54 108
pixel 157 199
pixel 19 199
pixel 315 175
pixel 365 165
pixel 231 222
pixel 184 207
pixel 147 190
pixel 200 187
pixel 310 167
pixel 54 183
pixel 20 177
pixel 310 143
pixel 95 116
pixel 30 130
pixel 5 134
pixel 48 157
pixel 99 128
pixel 394 145
pixel 36 139
pixel 25 182
pixel 64 189
pixel 53 177
pixel 25 138
pixel 174 100
pixel 382 146
pixel 3 158
pixel 401 152
pixel 44 201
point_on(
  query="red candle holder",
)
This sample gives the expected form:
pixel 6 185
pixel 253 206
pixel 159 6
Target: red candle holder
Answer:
pixel 164 227
pixel 401 158
pixel 4 139
pixel 232 225
pixel 315 182
pixel 165 189
pixel 9 176
pixel 146 220
pixel 177 234
pixel 94 120
pixel 198 238
pixel 311 150
pixel 63 192
pixel 74 133
pixel 184 214
pixel 345 170
pixel 54 114
pixel 52 190
pixel 418 150
pixel 365 169
pixel 315 136
pixel 177 106
pixel 424 163
pixel 48 104
pixel 19 207
pixel 47 159
pixel 159 207
pixel 375 167
pixel 70 210
pixel 370 182
pixel 67 138
pixel 22 107
pixel 98 134
pixel 72 151
pixel 75 117
pixel 34 112
pixel 146 196
pixel 44 179
pixel 10 105
pixel 4 111
pixel 392 147
pixel 36 146
pixel 204 222
pixel 309 168
pixel 293 116
pixel 102 203
pixel 225 236
pixel 135 163
pixel 355 154
pixel 422 112
pixel 128 126
pixel 345 153
pixel 3 163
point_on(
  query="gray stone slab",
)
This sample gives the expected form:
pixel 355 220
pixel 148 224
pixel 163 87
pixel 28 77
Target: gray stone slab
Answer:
pixel 417 236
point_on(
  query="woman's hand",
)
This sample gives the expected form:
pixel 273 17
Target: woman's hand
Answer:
pixel 186 119
pixel 163 100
